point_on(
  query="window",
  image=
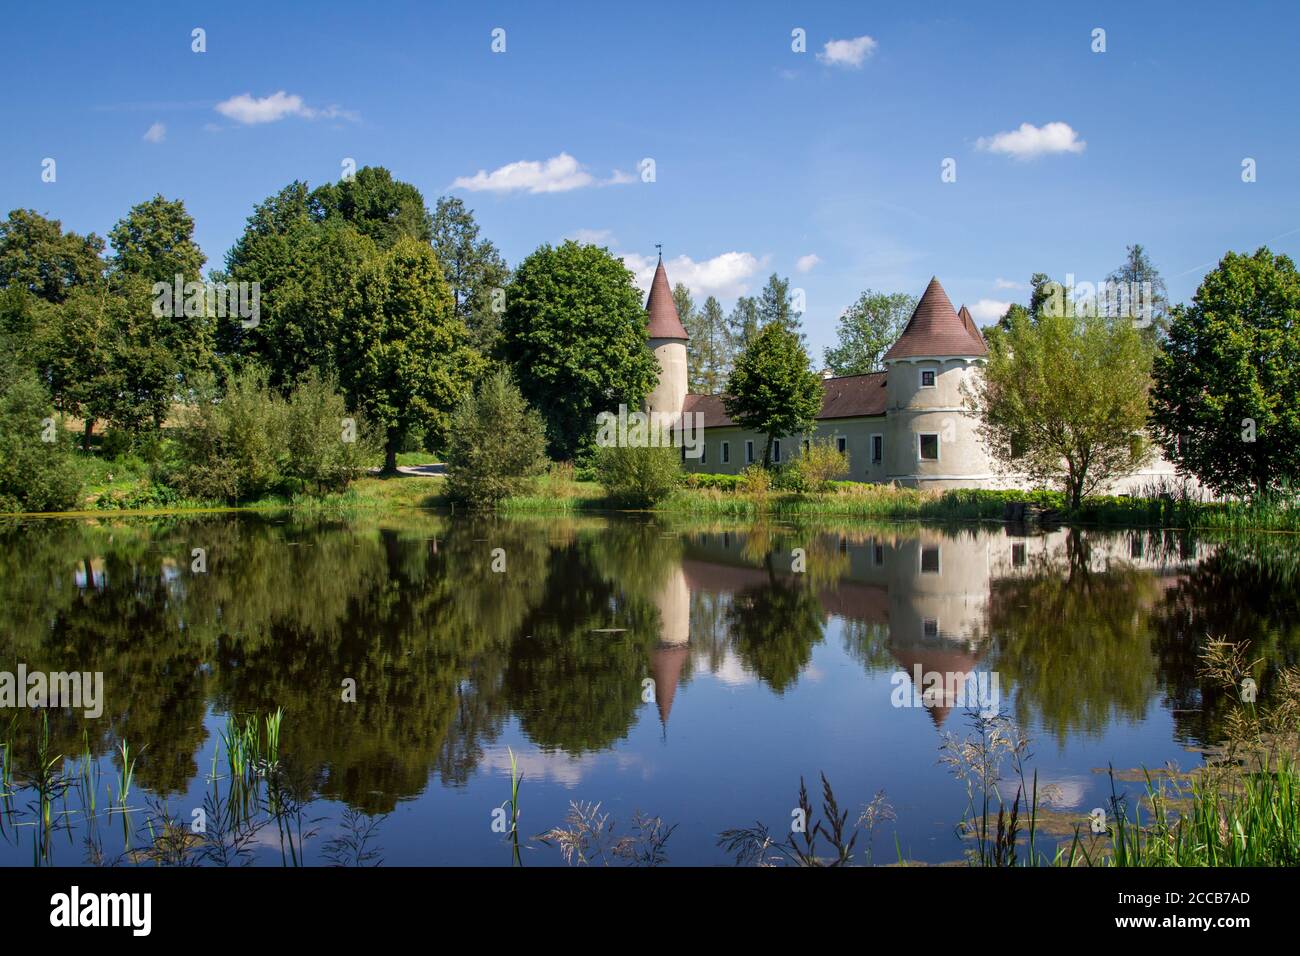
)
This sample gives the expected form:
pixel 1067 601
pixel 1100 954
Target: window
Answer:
pixel 726 452
pixel 841 444
pixel 930 560
pixel 927 378
pixel 776 449
pixel 928 447
pixel 704 452
pixel 878 555
pixel 683 454
pixel 877 448
pixel 1018 555
pixel 805 446
pixel 930 627
pixel 749 452
pixel 1135 546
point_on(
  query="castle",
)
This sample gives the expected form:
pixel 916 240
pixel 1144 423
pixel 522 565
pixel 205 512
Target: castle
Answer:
pixel 908 424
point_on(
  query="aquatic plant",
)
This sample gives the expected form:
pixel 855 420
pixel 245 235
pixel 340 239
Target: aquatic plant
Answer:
pixel 588 838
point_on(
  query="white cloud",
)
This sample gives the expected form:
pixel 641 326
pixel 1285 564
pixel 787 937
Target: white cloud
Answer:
pixel 988 310
pixel 1002 283
pixel 725 276
pixel 849 53
pixel 619 178
pixel 249 109
pixel 155 133
pixel 591 237
pixel 808 262
pixel 1030 141
pixel 556 175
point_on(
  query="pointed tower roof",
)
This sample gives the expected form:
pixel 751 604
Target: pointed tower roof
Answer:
pixel 664 321
pixel 964 314
pixel 935 329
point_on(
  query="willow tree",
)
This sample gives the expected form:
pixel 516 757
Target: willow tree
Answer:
pixel 1063 398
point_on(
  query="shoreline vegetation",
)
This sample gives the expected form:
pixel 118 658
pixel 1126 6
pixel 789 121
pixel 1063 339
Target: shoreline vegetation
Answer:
pixel 121 490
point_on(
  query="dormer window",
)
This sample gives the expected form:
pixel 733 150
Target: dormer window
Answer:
pixel 927 378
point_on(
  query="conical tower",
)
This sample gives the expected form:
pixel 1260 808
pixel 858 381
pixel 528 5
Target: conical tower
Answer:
pixel 668 342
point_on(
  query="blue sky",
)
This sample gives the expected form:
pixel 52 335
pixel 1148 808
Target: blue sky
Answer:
pixel 763 156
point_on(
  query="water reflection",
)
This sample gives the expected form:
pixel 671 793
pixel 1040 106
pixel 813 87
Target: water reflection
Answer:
pixel 1086 630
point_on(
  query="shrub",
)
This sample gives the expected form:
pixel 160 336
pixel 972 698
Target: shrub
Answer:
pixel 756 480
pixel 704 480
pixel 326 446
pixel 35 474
pixel 638 477
pixel 496 444
pixel 819 464
pixel 230 447
pixel 787 477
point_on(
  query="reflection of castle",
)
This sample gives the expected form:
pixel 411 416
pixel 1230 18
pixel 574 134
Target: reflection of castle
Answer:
pixel 927 592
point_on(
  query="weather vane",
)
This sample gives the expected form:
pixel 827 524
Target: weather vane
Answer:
pixel 660 247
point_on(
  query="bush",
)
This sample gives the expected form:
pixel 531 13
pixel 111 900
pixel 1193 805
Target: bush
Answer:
pixel 35 474
pixel 496 444
pixel 231 447
pixel 788 478
pixel 327 447
pixel 719 482
pixel 756 480
pixel 819 464
pixel 639 477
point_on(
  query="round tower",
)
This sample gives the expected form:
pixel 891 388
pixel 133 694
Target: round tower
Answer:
pixel 932 437
pixel 668 342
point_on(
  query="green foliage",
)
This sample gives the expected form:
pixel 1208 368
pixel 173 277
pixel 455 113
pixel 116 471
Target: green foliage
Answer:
pixel 1227 378
pixel 231 446
pixel 404 356
pixel 35 474
pixel 156 242
pixel 1063 398
pixel 327 448
pixel 866 331
pixel 496 444
pixel 709 349
pixel 473 268
pixel 719 482
pixel 638 477
pixel 819 463
pixel 776 306
pixel 36 255
pixel 384 209
pixel 772 390
pixel 574 331
pixel 756 480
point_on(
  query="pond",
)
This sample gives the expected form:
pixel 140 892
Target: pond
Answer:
pixel 694 671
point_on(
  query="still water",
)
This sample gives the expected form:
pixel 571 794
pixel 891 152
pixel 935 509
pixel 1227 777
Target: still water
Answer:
pixel 691 671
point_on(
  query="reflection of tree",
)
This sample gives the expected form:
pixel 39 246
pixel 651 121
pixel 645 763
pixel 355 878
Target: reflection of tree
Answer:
pixel 774 628
pixel 1245 591
pixel 1076 648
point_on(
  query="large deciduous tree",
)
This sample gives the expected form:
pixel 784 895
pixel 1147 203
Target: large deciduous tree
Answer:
pixel 574 331
pixel 1226 402
pixel 772 389
pixel 38 256
pixel 404 355
pixel 866 331
pixel 1063 398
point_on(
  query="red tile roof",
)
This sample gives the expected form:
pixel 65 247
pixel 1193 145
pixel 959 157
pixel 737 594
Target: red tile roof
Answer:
pixel 850 396
pixel 664 321
pixel 936 330
pixel 964 314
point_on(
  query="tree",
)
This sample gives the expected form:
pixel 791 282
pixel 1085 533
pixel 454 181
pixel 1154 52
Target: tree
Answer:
pixel 404 356
pixel 496 444
pixel 1227 377
pixel 1064 399
pixel 155 241
pixel 866 331
pixel 474 269
pixel 776 305
pixel 772 390
pixel 36 468
pixel 385 209
pixel 636 476
pixel 325 446
pixel 37 255
pixel 708 353
pixel 1136 272
pixel 743 323
pixel 574 330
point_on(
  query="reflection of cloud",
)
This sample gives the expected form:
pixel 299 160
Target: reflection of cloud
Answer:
pixel 732 672
pixel 1057 792
pixel 558 767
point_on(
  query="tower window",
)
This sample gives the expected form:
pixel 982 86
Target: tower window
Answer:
pixel 930 560
pixel 927 378
pixel 928 445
